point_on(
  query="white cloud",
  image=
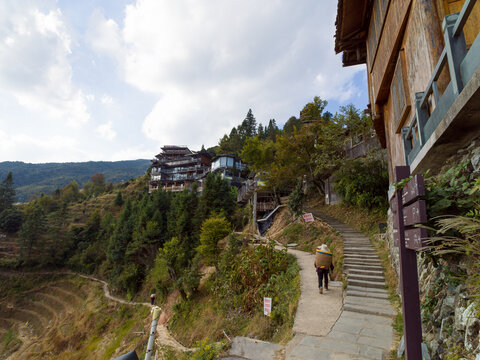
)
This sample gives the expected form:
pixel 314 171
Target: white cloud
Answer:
pixel 39 149
pixel 210 62
pixel 106 131
pixel 107 100
pixel 104 36
pixel 34 63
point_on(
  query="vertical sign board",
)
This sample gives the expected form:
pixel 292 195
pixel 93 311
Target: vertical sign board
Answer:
pixel 409 210
pixel 267 306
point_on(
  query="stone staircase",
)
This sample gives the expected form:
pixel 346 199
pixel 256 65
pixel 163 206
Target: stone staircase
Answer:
pixel 366 292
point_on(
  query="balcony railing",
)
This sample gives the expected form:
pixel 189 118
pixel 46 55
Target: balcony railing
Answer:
pixel 360 149
pixel 246 191
pixel 462 64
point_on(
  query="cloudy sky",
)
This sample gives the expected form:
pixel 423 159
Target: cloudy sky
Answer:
pixel 117 79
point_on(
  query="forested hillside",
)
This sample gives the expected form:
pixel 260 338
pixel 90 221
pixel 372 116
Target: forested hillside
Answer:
pixel 35 179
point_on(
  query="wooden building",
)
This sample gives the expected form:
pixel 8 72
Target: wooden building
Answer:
pixel 422 59
pixel 177 167
pixel 230 168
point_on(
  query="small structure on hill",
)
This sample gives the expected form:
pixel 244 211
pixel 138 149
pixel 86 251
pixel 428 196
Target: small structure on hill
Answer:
pixel 231 168
pixel 176 168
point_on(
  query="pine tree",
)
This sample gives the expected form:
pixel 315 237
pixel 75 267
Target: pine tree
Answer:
pixel 32 228
pixel 7 192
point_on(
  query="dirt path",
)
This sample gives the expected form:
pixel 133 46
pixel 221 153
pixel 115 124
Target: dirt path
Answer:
pixel 163 336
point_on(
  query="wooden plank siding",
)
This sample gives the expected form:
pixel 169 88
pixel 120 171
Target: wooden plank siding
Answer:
pixel 382 66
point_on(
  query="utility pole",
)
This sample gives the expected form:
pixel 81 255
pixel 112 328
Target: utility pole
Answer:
pixel 153 330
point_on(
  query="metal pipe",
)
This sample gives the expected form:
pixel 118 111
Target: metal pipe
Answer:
pixel 153 330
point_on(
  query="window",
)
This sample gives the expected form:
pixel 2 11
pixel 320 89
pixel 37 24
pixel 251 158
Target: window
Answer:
pixel 399 93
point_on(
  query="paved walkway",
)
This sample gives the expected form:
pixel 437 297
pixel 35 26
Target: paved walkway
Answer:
pixel 362 331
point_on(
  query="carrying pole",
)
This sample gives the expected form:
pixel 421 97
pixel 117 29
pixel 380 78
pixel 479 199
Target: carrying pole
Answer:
pixel 153 330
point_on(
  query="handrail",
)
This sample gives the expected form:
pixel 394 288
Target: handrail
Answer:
pixel 463 16
pixel 453 54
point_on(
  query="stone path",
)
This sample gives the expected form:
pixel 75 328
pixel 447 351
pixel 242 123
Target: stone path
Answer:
pixel 363 330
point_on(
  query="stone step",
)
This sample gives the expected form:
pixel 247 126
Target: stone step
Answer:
pixel 363 256
pixel 367 289
pixel 367 294
pixel 347 260
pixel 356 257
pixel 358 250
pixel 368 265
pixel 356 276
pixel 366 283
pixel 361 271
pixel 381 303
pixel 379 311
pixel 253 349
pixel 363 267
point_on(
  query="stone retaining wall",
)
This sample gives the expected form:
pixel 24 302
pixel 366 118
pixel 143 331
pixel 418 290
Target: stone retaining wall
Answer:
pixel 450 320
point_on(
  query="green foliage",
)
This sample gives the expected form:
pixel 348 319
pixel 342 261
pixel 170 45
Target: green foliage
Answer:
pixel 291 125
pixel 244 275
pixel 118 199
pixel 450 193
pixel 33 228
pixel 213 230
pixel 312 111
pixel 217 197
pixel 7 192
pixel 10 220
pixel 233 143
pixel 363 182
pixel 205 351
pixel 259 153
pixel 293 232
pixel 295 200
pixel 32 180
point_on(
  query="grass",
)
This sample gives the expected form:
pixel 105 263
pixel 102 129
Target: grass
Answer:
pixel 218 309
pixel 9 342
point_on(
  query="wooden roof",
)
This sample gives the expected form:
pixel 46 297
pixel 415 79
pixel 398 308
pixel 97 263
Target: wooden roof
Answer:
pixel 351 30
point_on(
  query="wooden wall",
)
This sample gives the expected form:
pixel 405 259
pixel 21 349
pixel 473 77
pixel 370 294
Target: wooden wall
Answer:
pixel 402 61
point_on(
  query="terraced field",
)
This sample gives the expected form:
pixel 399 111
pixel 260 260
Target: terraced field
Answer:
pixel 29 317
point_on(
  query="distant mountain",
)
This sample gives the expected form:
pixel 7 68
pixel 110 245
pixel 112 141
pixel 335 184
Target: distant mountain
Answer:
pixel 35 179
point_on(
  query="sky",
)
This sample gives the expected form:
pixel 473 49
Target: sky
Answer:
pixel 116 79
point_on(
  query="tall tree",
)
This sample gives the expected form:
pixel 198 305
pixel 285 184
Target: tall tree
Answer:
pixel 313 111
pixel 248 128
pixel 292 124
pixel 33 227
pixel 7 192
pixel 272 130
pixel 213 230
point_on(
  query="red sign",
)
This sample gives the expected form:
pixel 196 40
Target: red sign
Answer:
pixel 267 306
pixel 308 217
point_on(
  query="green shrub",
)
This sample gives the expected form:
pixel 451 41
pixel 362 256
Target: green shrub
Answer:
pixel 295 200
pixel 363 182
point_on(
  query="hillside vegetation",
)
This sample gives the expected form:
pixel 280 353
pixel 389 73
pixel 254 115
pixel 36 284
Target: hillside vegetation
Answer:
pixel 35 179
pixel 185 246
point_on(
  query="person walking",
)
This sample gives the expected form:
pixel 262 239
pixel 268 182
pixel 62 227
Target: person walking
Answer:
pixel 323 265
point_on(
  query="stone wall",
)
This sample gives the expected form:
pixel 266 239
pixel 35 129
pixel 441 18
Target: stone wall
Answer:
pixel 450 320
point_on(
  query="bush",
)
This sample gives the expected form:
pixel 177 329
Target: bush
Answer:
pixel 363 182
pixel 295 200
pixel 10 220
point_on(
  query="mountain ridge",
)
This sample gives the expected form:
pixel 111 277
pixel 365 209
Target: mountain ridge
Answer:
pixel 31 180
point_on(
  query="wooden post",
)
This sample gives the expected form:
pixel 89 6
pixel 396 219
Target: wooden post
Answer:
pixel 254 225
pixel 408 280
